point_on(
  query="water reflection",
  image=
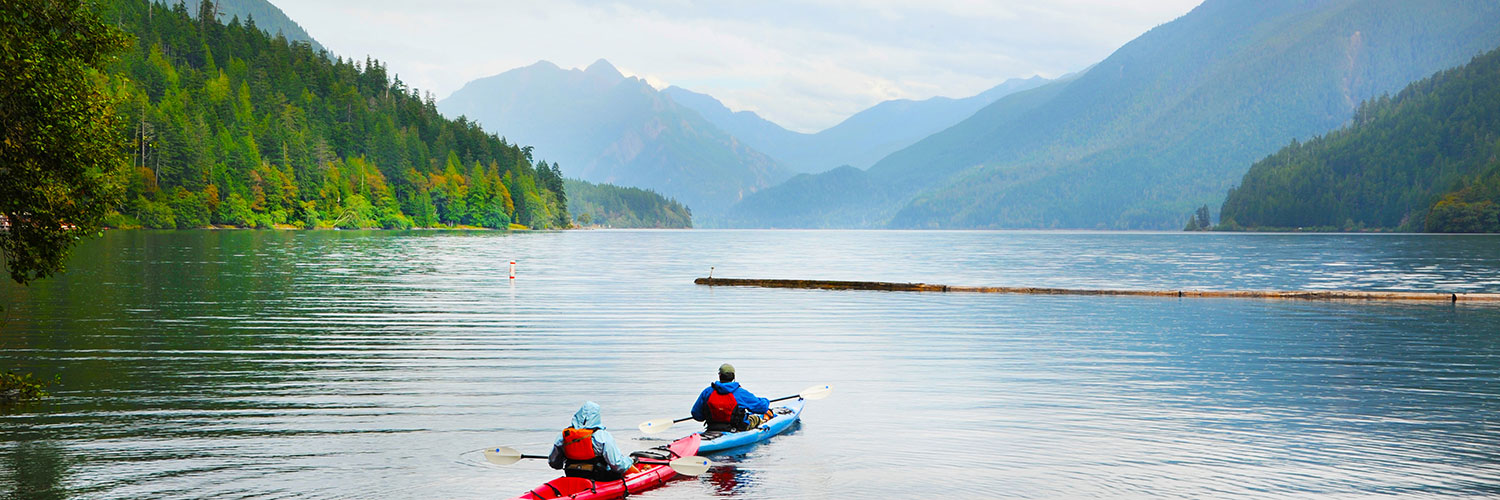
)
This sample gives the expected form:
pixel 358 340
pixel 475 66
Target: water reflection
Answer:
pixel 728 479
pixel 359 364
pixel 36 470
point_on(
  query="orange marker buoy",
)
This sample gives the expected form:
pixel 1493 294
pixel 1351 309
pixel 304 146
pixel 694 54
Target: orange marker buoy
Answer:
pixel 512 269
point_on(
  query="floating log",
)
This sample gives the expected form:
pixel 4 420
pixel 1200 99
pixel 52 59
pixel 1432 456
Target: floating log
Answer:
pixel 1206 294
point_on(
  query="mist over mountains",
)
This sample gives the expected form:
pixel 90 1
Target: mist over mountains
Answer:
pixel 858 141
pixel 1167 123
pixel 604 127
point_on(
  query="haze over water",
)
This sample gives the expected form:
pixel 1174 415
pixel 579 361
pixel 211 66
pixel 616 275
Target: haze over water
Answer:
pixel 326 364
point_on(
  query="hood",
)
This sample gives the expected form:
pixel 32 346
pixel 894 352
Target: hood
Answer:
pixel 726 387
pixel 588 417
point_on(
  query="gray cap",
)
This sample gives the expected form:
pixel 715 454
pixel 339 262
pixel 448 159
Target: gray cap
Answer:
pixel 726 368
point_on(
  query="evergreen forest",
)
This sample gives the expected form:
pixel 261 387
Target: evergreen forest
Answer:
pixel 611 206
pixel 1427 159
pixel 229 126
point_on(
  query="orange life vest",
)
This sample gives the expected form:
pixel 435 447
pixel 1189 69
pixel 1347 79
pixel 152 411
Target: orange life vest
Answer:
pixel 578 444
pixel 721 406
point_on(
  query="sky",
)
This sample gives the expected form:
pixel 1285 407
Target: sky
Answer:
pixel 805 65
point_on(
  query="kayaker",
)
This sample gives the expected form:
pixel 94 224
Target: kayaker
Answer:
pixel 727 407
pixel 586 450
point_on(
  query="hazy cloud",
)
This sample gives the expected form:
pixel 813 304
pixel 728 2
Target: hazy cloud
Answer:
pixel 806 65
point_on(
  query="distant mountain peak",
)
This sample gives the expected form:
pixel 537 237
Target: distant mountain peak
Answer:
pixel 543 64
pixel 604 69
pixel 603 127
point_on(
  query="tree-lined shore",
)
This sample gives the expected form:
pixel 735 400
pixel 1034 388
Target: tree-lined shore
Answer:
pixel 229 126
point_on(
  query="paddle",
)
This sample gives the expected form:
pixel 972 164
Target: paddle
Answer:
pixel 687 466
pixel 811 393
pixel 501 455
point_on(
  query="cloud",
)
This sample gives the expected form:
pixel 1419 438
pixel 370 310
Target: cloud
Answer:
pixel 805 64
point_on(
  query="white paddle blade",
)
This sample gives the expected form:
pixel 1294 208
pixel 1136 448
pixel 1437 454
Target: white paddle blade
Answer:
pixel 816 392
pixel 691 466
pixel 501 455
pixel 656 425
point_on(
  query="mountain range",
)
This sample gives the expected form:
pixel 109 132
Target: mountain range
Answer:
pixel 1427 159
pixel 604 127
pixel 858 141
pixel 1167 123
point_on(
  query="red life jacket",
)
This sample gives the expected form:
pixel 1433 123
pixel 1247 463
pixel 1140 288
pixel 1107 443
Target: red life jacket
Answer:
pixel 721 406
pixel 578 444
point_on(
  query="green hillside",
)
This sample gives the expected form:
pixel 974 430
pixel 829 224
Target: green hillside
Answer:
pixel 1427 159
pixel 265 15
pixel 1171 120
pixel 605 205
pixel 1174 118
pixel 230 126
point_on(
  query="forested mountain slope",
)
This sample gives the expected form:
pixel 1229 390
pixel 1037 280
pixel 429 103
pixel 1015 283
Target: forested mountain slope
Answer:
pixel 843 198
pixel 1427 159
pixel 267 17
pixel 605 127
pixel 624 207
pixel 1175 117
pixel 230 126
pixel 858 141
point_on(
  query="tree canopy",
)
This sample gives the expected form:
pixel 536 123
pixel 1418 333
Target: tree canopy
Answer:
pixel 230 126
pixel 1426 159
pixel 60 155
pixel 622 207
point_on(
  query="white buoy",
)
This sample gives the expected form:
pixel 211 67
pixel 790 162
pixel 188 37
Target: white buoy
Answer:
pixel 512 269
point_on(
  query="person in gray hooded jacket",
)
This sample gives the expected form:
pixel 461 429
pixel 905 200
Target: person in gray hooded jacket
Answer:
pixel 586 450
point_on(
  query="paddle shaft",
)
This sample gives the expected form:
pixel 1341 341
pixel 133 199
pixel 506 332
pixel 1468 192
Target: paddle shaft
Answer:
pixel 785 398
pixel 638 460
pixel 684 419
pixel 811 393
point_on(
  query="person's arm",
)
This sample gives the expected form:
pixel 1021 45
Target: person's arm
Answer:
pixel 751 403
pixel 556 459
pixel 699 412
pixel 604 445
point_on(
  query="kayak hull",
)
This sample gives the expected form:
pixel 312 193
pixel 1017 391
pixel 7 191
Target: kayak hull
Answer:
pixel 651 476
pixel 714 441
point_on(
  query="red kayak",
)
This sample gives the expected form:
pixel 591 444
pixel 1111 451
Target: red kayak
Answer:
pixel 653 468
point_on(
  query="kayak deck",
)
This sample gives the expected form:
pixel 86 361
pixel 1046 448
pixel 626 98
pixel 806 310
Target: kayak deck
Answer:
pixel 653 473
pixel 785 416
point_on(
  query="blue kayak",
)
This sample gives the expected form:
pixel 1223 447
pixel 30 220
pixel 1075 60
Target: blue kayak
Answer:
pixel 785 415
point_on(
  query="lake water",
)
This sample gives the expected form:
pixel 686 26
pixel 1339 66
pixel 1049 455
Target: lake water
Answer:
pixel 260 364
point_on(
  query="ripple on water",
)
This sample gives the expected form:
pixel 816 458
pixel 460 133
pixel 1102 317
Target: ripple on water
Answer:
pixel 373 365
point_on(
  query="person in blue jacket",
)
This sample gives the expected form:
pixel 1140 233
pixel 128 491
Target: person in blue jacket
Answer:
pixel 727 407
pixel 588 451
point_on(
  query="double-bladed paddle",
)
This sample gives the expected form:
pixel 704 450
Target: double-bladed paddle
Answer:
pixel 687 466
pixel 811 393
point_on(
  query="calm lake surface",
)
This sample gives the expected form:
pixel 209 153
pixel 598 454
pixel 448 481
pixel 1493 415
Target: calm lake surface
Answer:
pixel 263 364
